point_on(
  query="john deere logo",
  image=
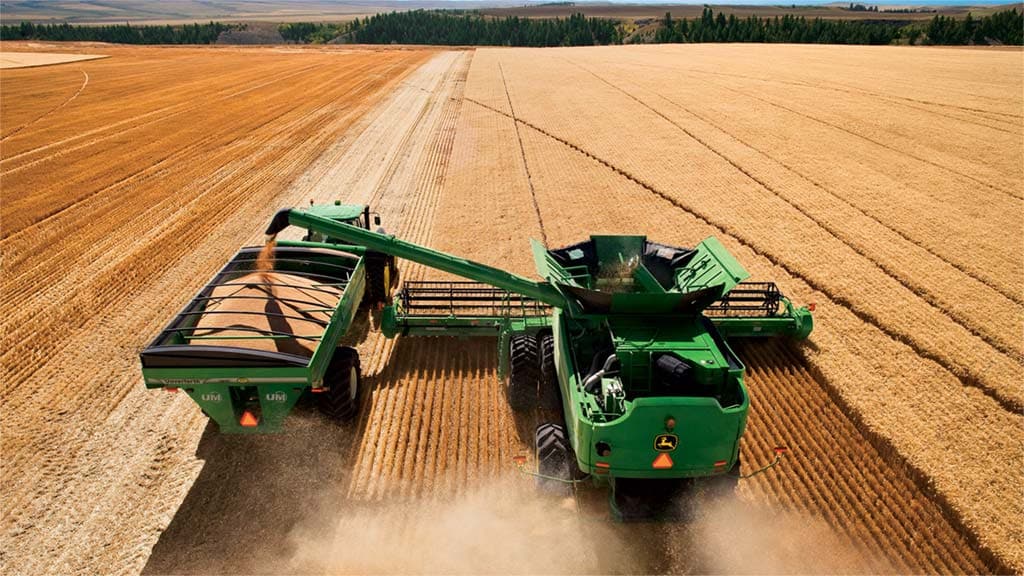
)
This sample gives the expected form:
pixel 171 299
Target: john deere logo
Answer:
pixel 666 442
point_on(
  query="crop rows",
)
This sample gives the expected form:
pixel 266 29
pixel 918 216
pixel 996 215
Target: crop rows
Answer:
pixel 142 176
pixel 907 363
pixel 133 193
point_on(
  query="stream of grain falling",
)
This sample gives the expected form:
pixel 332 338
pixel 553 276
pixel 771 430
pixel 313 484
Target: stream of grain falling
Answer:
pixel 265 263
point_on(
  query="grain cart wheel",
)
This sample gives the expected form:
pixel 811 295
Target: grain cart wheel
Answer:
pixel 341 399
pixel 554 464
pixel 523 372
pixel 550 397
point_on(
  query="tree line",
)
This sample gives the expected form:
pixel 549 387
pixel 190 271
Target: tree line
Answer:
pixel 1003 27
pixel 455 28
pixel 311 33
pixel 787 28
pixel 118 33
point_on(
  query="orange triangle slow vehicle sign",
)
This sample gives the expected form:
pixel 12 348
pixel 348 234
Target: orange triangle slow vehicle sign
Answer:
pixel 662 462
pixel 248 420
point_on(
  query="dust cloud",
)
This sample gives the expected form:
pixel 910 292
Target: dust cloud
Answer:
pixel 503 528
pixel 508 527
pixel 734 536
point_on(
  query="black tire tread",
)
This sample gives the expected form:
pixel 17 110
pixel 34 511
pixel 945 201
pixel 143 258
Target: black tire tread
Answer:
pixel 549 396
pixel 335 402
pixel 553 458
pixel 376 292
pixel 524 373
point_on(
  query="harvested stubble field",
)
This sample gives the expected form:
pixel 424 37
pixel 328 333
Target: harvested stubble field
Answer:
pixel 882 183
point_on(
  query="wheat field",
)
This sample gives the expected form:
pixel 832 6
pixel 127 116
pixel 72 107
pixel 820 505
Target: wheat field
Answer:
pixel 883 184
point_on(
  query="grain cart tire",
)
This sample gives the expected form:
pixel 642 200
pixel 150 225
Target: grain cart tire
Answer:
pixel 554 462
pixel 523 373
pixel 549 396
pixel 380 272
pixel 340 401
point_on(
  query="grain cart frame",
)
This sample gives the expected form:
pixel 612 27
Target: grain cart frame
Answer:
pixel 247 390
pixel 624 337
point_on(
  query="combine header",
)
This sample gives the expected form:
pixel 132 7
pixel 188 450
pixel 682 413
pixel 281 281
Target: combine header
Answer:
pixel 623 344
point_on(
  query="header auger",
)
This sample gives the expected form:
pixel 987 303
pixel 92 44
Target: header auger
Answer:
pixel 623 343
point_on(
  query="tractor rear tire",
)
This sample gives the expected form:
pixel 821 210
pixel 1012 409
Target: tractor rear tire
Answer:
pixel 380 277
pixel 550 397
pixel 340 400
pixel 523 373
pixel 554 461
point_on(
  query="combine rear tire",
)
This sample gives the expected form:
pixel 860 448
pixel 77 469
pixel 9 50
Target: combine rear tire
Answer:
pixel 549 394
pixel 523 373
pixel 554 462
pixel 341 399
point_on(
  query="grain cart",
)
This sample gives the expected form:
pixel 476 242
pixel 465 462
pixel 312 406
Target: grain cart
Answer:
pixel 624 341
pixel 253 342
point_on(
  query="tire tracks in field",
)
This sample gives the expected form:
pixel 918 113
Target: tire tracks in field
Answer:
pixel 969 379
pixel 32 311
pixel 853 89
pixel 312 120
pixel 843 89
pixel 993 187
pixel 85 82
pixel 383 451
pixel 920 292
pixel 522 153
pixel 162 114
pixel 1016 298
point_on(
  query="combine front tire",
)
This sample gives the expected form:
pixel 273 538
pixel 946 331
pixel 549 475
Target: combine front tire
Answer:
pixel 554 462
pixel 523 372
pixel 340 400
pixel 549 395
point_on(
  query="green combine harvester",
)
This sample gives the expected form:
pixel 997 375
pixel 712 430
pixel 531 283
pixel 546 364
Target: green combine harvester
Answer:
pixel 623 344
